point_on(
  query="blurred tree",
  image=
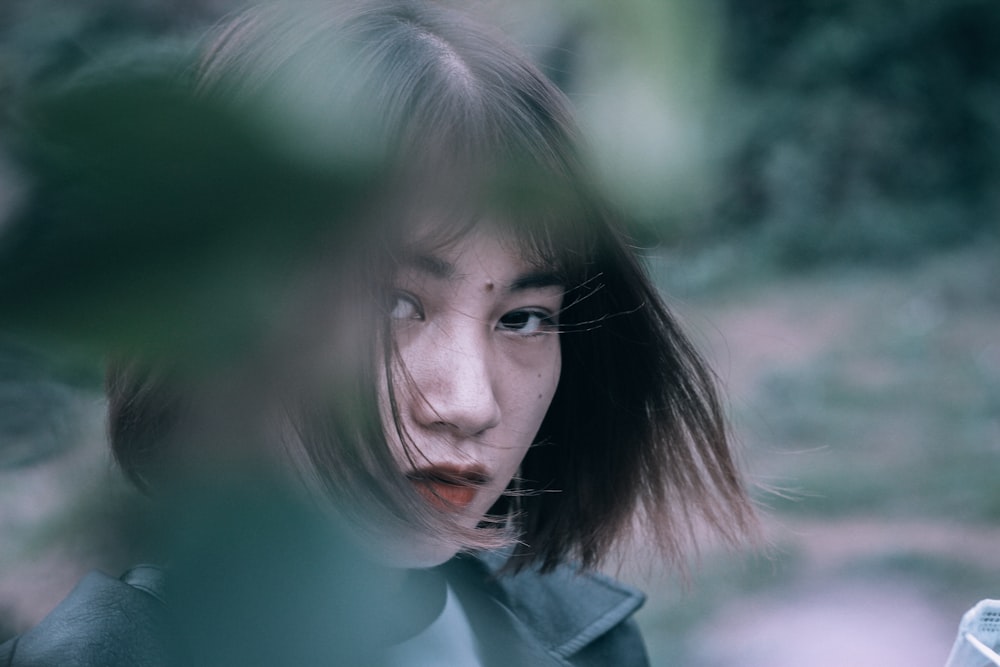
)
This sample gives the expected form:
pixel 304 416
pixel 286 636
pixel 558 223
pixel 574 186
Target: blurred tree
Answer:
pixel 861 130
pixel 43 40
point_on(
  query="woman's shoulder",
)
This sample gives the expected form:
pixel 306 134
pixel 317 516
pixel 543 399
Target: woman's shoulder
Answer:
pixel 104 622
pixel 568 617
pixel 580 618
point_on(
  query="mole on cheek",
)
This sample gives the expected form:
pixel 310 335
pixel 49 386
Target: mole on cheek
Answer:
pixel 489 286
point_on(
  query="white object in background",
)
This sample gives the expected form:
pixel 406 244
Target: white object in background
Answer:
pixel 978 637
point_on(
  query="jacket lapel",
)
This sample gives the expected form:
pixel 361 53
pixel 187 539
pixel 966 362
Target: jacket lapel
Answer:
pixel 557 614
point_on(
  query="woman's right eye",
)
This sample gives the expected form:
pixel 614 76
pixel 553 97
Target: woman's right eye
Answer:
pixel 405 307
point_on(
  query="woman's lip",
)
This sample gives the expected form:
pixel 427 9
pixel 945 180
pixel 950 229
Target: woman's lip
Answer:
pixel 448 488
pixel 450 474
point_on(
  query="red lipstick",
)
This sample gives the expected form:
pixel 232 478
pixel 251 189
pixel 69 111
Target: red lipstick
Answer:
pixel 448 488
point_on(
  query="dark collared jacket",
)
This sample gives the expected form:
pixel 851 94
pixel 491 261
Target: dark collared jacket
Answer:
pixel 557 619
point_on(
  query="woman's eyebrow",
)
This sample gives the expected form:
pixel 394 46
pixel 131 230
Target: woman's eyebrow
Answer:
pixel 434 266
pixel 536 280
pixel 445 270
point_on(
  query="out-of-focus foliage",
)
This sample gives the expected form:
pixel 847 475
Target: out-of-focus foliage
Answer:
pixel 160 220
pixel 811 131
pixel 645 80
pixel 257 579
pixel 50 40
pixel 48 44
pixel 643 77
pixel 859 129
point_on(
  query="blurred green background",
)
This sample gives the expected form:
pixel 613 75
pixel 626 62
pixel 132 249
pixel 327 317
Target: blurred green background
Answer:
pixel 815 184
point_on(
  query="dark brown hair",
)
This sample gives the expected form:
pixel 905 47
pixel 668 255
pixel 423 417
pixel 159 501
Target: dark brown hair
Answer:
pixel 635 425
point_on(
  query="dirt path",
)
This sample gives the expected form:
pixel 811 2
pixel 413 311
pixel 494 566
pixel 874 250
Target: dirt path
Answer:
pixel 829 623
pixel 829 616
pixel 833 598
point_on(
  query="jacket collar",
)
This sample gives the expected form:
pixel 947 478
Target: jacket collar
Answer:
pixel 564 610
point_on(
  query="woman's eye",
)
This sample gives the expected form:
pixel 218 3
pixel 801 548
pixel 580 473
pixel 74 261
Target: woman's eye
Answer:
pixel 404 307
pixel 527 322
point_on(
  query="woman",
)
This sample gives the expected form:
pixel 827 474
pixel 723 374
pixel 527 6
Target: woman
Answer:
pixel 508 392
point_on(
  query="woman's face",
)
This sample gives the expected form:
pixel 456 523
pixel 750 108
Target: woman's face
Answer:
pixel 479 359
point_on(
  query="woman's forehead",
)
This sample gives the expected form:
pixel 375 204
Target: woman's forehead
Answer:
pixel 434 223
pixel 438 247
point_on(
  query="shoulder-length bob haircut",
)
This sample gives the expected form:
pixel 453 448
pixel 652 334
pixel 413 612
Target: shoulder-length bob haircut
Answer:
pixel 635 427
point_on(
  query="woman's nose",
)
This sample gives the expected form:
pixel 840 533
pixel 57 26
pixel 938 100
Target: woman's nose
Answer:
pixel 454 383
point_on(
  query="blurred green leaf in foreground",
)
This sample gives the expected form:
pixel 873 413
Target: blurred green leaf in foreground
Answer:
pixel 158 219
